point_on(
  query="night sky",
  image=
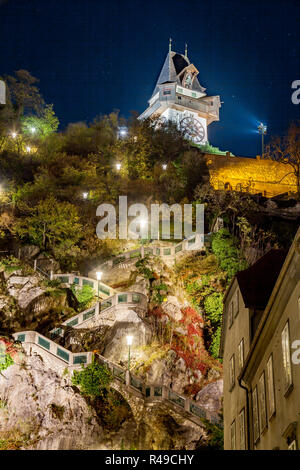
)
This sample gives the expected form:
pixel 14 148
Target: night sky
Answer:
pixel 96 56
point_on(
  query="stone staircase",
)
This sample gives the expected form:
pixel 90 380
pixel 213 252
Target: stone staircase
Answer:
pixel 62 359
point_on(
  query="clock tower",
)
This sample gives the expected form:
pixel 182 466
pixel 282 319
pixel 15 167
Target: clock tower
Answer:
pixel 179 97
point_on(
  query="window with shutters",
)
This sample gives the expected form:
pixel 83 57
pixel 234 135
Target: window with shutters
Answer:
pixel 236 303
pixel 262 403
pixel 270 387
pixel 241 354
pixel 242 428
pixel 231 372
pixel 255 415
pixel 286 358
pixel 233 435
pixel 230 314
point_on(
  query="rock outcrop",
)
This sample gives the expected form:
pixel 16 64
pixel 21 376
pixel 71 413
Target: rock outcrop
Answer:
pixel 44 410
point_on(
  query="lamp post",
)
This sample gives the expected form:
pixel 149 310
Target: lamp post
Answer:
pixel 129 340
pixel 99 276
pixel 262 129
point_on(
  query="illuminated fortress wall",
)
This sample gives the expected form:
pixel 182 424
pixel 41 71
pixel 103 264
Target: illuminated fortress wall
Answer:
pixel 253 175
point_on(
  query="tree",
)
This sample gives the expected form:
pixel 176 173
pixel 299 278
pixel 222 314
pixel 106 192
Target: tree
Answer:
pixel 226 204
pixel 50 223
pixel 24 93
pixel 44 125
pixel 286 150
pixel 92 379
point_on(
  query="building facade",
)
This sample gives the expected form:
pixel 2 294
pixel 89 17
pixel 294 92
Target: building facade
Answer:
pixel 260 346
pixel 179 97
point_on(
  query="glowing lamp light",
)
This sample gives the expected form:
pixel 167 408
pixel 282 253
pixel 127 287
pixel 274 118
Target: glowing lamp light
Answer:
pixel 262 128
pixel 118 166
pixel 129 340
pixel 85 195
pixel 123 131
pixel 164 166
pixel 32 130
pixel 28 149
pixel 99 275
pixel 14 135
pixel 143 223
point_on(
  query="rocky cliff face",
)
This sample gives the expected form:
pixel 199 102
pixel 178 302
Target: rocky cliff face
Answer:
pixel 27 302
pixel 41 410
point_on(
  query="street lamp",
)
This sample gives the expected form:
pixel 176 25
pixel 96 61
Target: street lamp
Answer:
pixel 28 149
pixel 85 195
pixel 118 166
pixel 129 340
pixel 164 166
pixel 14 135
pixel 122 132
pixel 32 130
pixel 143 223
pixel 99 276
pixel 262 129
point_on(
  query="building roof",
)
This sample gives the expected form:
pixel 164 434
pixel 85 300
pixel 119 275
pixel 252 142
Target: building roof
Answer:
pixel 257 282
pixel 174 64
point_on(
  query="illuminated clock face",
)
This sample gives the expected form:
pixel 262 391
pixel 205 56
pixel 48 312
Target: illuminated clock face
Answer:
pixel 192 129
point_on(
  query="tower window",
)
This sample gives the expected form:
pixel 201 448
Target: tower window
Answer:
pixel 167 91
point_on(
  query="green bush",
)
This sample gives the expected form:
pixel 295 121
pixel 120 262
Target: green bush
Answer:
pixel 85 295
pixel 5 361
pixel 92 379
pixel 213 305
pixel 215 344
pixel 143 269
pixel 224 247
pixel 215 436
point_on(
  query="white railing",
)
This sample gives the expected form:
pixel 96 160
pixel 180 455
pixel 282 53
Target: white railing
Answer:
pixel 61 354
pixel 195 242
pixel 80 281
pixel 115 300
pixel 120 300
pixel 150 392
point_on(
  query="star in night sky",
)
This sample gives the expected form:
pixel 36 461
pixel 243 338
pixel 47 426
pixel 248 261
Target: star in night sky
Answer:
pixel 93 57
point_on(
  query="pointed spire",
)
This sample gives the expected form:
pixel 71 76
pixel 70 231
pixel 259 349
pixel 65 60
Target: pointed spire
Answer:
pixel 185 52
pixel 170 44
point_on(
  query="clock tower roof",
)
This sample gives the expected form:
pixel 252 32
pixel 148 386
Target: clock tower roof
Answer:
pixel 172 72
